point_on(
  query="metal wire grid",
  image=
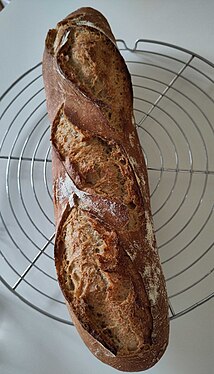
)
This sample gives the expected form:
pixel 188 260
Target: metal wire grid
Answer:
pixel 172 87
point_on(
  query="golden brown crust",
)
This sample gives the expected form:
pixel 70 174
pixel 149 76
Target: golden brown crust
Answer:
pixel 105 250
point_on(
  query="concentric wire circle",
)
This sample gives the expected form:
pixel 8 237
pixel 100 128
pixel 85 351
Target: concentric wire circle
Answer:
pixel 173 104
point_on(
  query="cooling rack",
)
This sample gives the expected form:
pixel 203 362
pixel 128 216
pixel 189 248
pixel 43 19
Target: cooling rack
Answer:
pixel 174 113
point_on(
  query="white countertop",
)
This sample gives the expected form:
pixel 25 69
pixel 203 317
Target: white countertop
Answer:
pixel 24 25
pixel 32 343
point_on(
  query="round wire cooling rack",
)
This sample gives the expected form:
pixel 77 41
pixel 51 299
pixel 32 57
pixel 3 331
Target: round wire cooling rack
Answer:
pixel 174 113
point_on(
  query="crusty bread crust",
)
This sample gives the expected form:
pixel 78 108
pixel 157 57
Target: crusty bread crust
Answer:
pixel 105 249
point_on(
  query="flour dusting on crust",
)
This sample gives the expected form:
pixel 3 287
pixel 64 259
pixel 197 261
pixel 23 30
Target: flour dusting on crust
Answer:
pixel 149 230
pixel 152 273
pixel 67 190
pixel 136 166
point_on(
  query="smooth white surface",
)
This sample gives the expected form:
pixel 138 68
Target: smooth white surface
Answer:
pixel 30 342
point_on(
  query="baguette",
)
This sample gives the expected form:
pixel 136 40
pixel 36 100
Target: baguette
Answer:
pixel 105 250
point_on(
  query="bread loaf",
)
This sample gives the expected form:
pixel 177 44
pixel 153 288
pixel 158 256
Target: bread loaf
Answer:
pixel 105 250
